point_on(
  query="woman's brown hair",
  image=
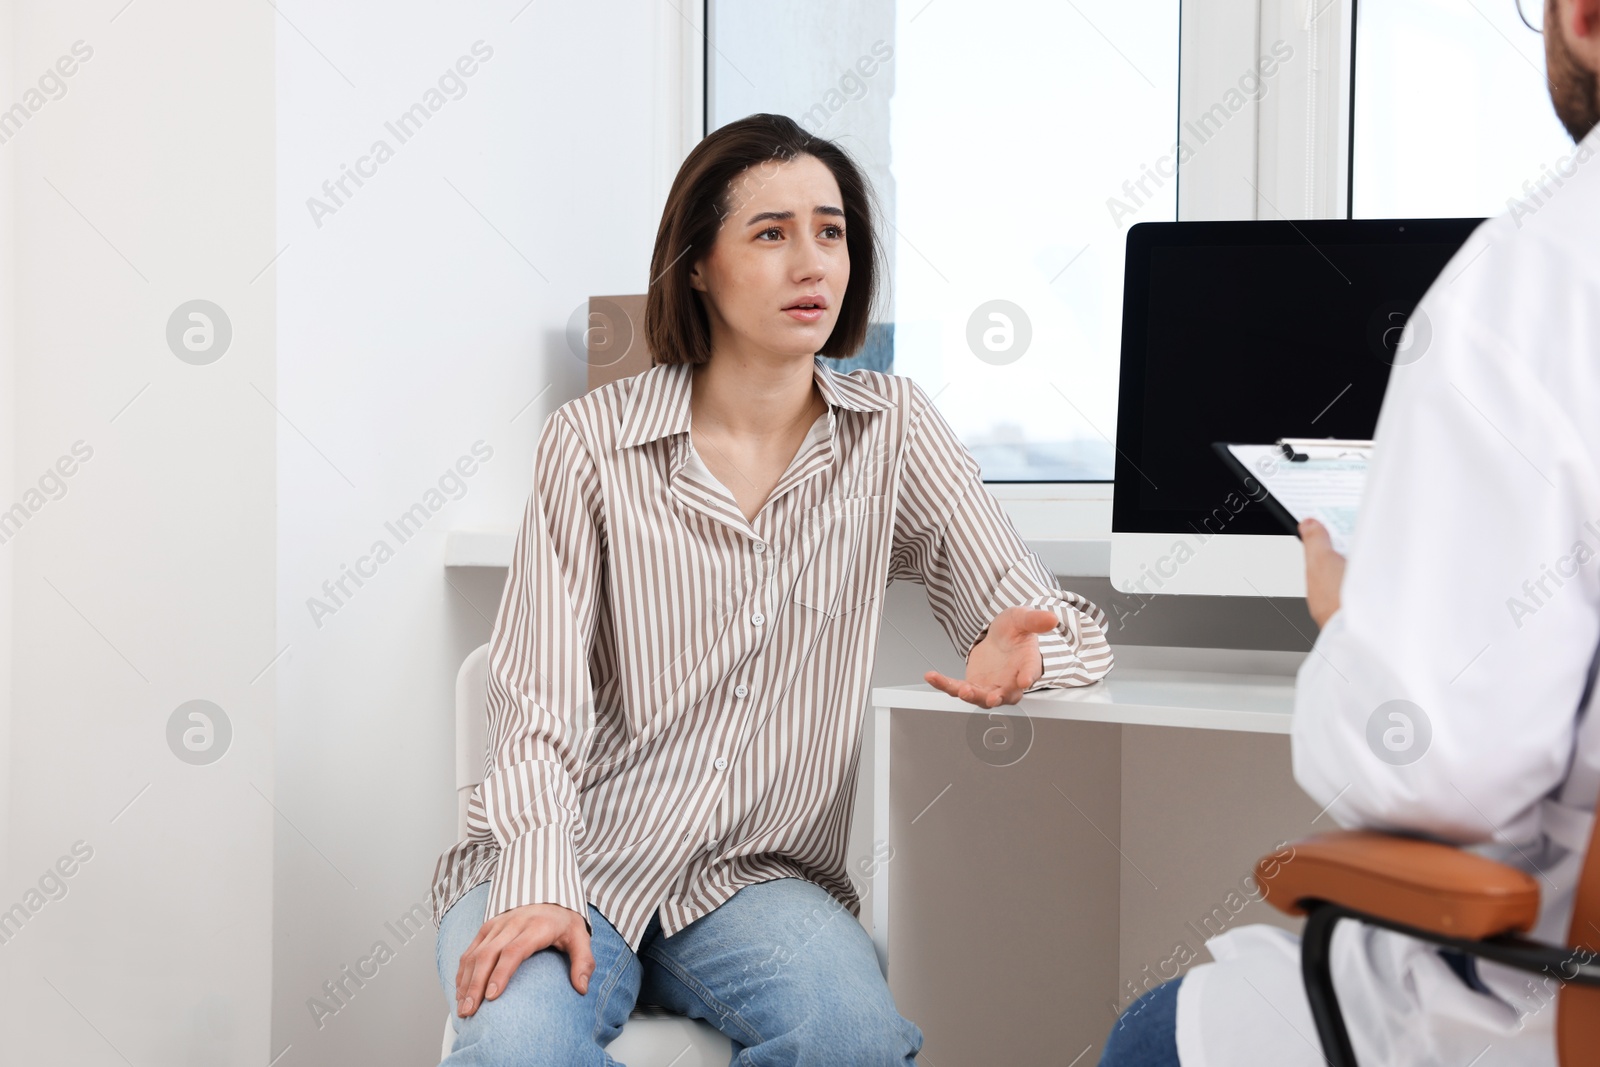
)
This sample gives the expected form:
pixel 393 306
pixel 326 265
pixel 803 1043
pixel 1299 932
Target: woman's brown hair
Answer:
pixel 676 326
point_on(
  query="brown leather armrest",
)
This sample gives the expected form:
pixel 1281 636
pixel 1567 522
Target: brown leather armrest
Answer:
pixel 1423 884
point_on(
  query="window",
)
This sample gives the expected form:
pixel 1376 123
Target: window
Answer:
pixel 1010 146
pixel 1452 115
pixel 998 137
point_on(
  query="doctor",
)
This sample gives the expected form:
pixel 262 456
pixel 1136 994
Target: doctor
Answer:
pixel 1449 692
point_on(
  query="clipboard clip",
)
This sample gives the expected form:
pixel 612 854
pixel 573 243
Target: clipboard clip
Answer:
pixel 1292 446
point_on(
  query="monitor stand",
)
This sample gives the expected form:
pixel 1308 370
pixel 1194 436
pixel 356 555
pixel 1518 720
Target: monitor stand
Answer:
pixel 1159 564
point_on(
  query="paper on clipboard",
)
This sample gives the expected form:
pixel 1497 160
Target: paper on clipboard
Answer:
pixel 1325 486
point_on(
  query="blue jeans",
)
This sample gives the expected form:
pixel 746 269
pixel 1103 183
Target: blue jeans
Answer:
pixel 1146 1034
pixel 780 967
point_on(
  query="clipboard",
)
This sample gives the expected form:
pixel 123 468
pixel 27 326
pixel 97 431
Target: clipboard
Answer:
pixel 1298 478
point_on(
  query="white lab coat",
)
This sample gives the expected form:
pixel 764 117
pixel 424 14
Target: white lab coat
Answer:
pixel 1472 591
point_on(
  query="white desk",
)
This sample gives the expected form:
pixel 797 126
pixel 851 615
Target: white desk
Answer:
pixel 1252 692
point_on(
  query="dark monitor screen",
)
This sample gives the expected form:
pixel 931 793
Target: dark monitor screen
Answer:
pixel 1252 331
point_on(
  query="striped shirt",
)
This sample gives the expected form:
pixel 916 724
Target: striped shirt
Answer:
pixel 676 693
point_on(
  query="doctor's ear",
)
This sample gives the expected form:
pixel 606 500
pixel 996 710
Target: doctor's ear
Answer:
pixel 697 280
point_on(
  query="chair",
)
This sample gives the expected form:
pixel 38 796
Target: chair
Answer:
pixel 652 1037
pixel 1443 895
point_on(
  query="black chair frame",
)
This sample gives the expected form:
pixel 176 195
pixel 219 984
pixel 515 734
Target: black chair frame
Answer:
pixel 1535 957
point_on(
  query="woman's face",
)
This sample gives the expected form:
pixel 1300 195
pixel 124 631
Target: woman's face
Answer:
pixel 781 246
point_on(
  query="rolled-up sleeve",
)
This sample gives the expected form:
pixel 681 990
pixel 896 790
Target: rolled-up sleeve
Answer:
pixel 953 536
pixel 540 700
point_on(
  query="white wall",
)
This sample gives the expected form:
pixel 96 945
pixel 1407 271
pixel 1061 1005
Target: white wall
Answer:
pixel 149 582
pixel 8 414
pixel 427 313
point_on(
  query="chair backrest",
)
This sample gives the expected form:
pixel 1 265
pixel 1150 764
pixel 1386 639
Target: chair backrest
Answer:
pixel 472 728
pixel 1578 1007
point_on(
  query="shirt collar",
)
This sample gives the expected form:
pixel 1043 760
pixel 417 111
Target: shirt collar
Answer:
pixel 658 405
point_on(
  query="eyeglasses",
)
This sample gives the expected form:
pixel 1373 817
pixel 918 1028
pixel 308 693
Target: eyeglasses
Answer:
pixel 1536 22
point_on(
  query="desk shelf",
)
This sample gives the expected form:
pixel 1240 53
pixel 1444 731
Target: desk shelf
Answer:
pixel 1199 688
pixel 1133 696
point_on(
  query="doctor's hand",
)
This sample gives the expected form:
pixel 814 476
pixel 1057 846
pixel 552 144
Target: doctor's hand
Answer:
pixel 1002 666
pixel 511 937
pixel 1324 572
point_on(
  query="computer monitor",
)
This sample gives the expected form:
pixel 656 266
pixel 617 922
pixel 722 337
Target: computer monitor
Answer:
pixel 1250 331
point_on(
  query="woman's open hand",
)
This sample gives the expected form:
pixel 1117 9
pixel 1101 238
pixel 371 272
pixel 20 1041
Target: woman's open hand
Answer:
pixel 1002 666
pixel 511 937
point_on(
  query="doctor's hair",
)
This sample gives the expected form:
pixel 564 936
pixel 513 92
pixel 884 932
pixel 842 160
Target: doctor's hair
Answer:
pixel 719 174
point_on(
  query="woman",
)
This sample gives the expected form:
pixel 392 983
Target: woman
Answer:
pixel 680 663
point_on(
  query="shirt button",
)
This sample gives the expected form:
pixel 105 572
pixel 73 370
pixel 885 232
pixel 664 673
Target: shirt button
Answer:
pixel 741 690
pixel 760 548
pixel 758 618
pixel 720 763
pixel 711 846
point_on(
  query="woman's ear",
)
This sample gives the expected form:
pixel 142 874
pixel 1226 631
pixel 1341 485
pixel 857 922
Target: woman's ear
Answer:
pixel 696 279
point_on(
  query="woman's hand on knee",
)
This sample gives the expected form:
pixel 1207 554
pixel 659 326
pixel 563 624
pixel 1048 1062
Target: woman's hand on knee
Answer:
pixel 511 937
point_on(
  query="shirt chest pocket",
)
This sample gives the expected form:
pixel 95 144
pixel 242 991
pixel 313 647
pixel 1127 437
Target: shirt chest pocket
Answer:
pixel 837 543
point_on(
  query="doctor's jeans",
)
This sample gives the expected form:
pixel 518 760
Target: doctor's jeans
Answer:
pixel 780 968
pixel 1146 1033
